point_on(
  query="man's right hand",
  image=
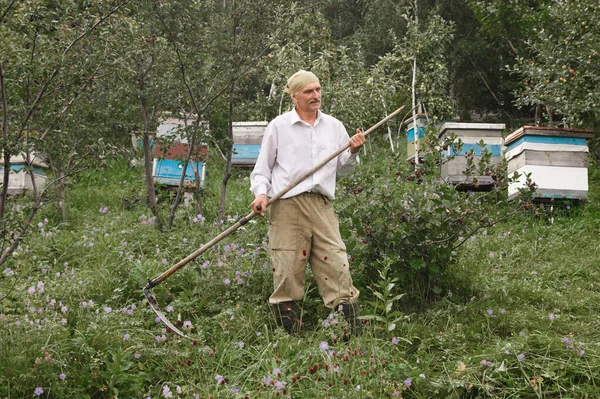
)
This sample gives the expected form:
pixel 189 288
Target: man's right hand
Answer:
pixel 261 200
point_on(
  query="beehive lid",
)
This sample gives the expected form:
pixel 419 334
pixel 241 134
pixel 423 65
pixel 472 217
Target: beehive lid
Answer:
pixel 548 131
pixel 470 126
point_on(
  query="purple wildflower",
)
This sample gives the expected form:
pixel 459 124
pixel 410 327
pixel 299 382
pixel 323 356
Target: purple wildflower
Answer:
pixel 167 392
pixel 62 376
pixel 220 380
pixel 38 391
pixel 520 357
pixel 394 340
pixel 279 385
pixel 551 316
pixel 408 382
pixel 226 281
pixel 324 345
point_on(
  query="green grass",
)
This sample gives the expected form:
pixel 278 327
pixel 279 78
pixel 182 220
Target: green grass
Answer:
pixel 521 322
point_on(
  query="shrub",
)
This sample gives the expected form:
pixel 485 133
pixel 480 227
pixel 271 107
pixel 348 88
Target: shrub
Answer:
pixel 412 219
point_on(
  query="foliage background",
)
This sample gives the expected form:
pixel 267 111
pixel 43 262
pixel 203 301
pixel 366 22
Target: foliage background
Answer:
pixel 463 294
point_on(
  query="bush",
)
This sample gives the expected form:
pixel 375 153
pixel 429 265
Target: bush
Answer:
pixel 413 220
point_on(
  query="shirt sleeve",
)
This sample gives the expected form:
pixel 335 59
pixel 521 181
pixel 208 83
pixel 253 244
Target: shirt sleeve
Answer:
pixel 260 178
pixel 346 160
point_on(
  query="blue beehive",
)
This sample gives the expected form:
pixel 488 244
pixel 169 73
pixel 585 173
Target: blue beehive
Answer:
pixel 247 139
pixel 415 130
pixel 556 158
pixel 19 179
pixel 168 162
pixel 471 135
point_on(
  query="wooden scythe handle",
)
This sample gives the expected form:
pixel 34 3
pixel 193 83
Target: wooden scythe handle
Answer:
pixel 247 218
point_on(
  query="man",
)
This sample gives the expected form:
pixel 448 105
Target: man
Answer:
pixel 302 225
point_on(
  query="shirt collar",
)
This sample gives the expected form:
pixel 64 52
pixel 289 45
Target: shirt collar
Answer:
pixel 296 118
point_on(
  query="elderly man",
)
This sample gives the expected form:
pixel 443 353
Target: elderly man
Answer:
pixel 302 224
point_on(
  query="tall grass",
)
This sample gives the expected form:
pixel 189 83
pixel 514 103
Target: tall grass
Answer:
pixel 522 320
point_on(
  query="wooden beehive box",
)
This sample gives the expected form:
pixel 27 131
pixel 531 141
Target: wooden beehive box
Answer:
pixel 247 139
pixel 415 130
pixel 556 158
pixel 471 134
pixel 19 179
pixel 168 161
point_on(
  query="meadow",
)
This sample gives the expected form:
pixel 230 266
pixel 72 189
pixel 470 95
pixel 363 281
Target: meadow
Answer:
pixel 515 317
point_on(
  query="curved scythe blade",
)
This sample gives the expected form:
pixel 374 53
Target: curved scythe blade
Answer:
pixel 154 305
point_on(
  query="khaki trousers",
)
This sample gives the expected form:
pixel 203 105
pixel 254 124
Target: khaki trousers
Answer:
pixel 305 229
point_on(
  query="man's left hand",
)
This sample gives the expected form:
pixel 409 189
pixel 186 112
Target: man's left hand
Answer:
pixel 357 141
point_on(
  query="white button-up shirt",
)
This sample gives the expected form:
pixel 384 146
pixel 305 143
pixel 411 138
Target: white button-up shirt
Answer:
pixel 290 147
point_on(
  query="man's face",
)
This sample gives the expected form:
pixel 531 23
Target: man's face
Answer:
pixel 308 98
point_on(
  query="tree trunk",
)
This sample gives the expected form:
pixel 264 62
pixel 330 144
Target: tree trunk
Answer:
pixel 550 118
pixel 228 163
pixel 186 161
pixel 538 114
pixel 230 120
pixel 151 194
pixel 5 152
pixel 414 92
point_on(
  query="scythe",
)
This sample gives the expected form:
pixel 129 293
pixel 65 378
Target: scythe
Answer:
pixel 154 282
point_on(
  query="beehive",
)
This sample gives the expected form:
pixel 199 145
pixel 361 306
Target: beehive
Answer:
pixel 556 158
pixel 415 130
pixel 168 162
pixel 19 178
pixel 471 135
pixel 247 139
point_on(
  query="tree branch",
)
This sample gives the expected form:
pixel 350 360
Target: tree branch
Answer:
pixel 57 69
pixel 6 11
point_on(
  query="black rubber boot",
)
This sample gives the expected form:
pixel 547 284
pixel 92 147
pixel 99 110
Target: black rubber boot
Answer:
pixel 351 313
pixel 286 315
